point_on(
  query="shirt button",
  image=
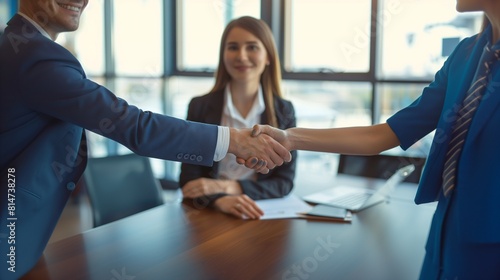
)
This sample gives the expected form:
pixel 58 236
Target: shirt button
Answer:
pixel 199 158
pixel 192 157
pixel 70 186
pixel 179 156
pixel 186 156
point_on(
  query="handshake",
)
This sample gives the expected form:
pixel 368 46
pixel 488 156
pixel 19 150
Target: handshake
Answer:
pixel 261 148
pixel 265 147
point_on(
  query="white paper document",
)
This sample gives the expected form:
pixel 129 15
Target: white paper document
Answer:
pixel 282 208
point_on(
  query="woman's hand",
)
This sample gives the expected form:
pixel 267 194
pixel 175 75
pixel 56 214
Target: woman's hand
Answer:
pixel 201 187
pixel 277 134
pixel 206 186
pixel 240 206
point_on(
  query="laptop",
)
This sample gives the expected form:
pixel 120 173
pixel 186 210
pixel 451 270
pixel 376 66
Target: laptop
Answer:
pixel 355 198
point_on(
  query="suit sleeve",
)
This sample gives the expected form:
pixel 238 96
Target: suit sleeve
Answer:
pixel 421 117
pixel 58 87
pixel 191 172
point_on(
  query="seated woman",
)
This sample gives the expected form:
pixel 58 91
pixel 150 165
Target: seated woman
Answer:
pixel 247 91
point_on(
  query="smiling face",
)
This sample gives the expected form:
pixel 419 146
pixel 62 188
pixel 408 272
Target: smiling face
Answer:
pixel 54 16
pixel 245 57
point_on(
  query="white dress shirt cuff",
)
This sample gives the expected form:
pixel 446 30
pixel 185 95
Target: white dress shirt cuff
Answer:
pixel 222 143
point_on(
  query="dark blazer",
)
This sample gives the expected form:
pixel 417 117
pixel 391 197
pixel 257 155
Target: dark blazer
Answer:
pixel 477 193
pixel 277 183
pixel 45 103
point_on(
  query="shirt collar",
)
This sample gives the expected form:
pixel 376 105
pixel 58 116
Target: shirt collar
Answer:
pixel 257 108
pixel 38 27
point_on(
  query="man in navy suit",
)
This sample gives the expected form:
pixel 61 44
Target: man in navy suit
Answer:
pixel 46 102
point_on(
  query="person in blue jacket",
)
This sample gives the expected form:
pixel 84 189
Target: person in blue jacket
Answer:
pixel 46 102
pixel 464 239
pixel 247 91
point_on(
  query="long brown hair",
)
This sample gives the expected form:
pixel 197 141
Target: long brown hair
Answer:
pixel 270 79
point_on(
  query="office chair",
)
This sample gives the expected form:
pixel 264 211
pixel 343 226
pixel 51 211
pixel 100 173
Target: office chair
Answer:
pixel 380 166
pixel 119 186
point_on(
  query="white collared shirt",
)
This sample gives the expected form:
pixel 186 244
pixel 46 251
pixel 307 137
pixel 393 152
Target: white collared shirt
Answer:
pixel 231 117
pixel 38 27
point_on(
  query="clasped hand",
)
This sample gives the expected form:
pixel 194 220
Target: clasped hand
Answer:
pixel 275 152
pixel 258 151
pixel 234 203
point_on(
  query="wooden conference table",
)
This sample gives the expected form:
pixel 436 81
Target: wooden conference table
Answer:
pixel 180 241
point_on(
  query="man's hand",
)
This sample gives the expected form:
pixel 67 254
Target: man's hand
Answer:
pixel 240 206
pixel 261 152
pixel 277 134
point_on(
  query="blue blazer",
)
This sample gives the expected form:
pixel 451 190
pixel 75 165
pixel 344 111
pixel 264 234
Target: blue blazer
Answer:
pixel 477 192
pixel 277 183
pixel 46 102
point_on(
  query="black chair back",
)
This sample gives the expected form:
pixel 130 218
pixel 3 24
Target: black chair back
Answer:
pixel 380 166
pixel 119 186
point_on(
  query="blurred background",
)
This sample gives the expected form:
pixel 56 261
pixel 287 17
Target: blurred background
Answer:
pixel 345 62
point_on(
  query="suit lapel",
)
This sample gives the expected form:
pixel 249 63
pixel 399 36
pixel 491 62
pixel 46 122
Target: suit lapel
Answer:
pixel 215 108
pixel 464 82
pixel 491 99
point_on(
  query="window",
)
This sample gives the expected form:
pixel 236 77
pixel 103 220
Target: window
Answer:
pixel 415 46
pixel 87 43
pixel 324 104
pixel 326 48
pixel 4 14
pixel 138 37
pixel 327 36
pixel 201 24
pixel 89 39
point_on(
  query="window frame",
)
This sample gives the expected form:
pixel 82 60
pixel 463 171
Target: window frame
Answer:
pixel 273 12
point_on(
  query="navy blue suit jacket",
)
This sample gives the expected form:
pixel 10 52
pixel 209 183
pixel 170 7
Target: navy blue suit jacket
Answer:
pixel 477 191
pixel 277 183
pixel 46 102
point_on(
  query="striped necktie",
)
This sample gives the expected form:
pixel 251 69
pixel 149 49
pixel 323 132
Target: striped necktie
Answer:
pixel 464 117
